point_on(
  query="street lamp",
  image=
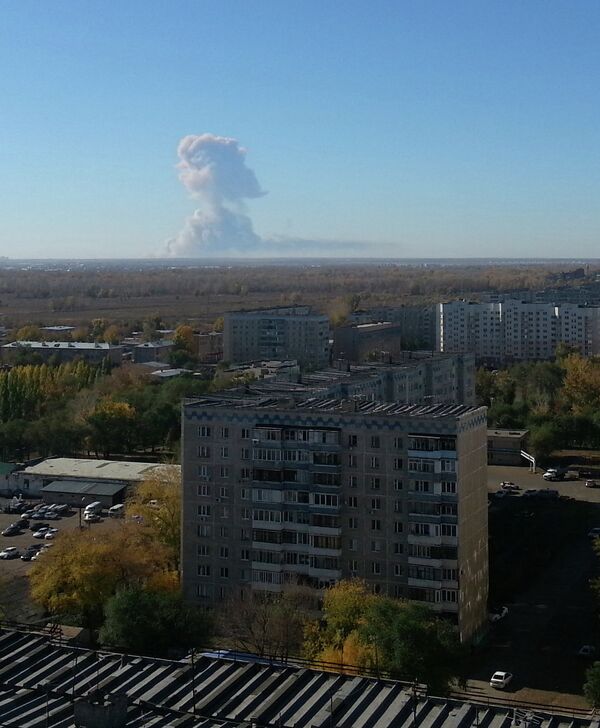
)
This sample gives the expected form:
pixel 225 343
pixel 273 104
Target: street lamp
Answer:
pixel 80 507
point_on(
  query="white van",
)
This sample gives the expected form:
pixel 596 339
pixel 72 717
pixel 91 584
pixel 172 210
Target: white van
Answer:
pixel 95 507
pixel 117 511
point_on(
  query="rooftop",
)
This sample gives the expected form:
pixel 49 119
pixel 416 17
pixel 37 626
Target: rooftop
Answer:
pixel 83 487
pixel 155 344
pixel 338 406
pixel 92 469
pixel 82 345
pixel 508 433
pixel 41 679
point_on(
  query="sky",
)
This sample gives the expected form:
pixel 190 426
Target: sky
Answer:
pixel 379 128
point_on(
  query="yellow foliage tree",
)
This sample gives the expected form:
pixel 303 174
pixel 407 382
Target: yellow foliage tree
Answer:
pixel 183 338
pixel 581 387
pixel 156 504
pixel 85 568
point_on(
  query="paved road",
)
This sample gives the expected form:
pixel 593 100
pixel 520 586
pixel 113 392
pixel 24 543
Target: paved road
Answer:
pixel 525 479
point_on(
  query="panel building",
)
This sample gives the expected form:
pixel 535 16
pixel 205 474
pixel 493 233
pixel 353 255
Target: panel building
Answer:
pixel 63 351
pixel 277 492
pixel 515 330
pixel 290 332
pixel 357 342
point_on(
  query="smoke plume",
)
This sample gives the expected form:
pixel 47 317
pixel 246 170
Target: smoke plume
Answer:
pixel 213 169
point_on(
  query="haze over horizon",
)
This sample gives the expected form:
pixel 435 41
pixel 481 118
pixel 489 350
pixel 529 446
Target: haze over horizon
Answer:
pixel 391 130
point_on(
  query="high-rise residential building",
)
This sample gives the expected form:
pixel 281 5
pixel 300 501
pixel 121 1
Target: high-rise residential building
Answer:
pixel 277 492
pixel 290 332
pixel 416 323
pixel 514 330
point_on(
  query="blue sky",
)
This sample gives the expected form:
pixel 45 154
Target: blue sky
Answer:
pixel 417 128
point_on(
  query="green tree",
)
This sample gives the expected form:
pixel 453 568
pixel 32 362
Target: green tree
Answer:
pixel 591 687
pixel 112 426
pixel 148 622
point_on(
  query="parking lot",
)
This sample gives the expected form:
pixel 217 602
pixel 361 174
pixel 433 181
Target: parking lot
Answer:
pixel 541 564
pixel 14 587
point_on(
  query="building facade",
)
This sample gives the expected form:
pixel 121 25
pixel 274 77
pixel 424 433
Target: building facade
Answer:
pixel 63 351
pixel 277 493
pixel 356 342
pixel 292 332
pixel 515 330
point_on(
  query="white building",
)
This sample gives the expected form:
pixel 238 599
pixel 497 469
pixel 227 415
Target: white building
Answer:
pixel 516 330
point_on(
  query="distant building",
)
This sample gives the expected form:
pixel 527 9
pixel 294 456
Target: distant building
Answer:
pixel 209 347
pixel 152 351
pixel 417 323
pixel 356 342
pixel 64 351
pixel 287 332
pixel 515 330
pixel 80 492
pixel 32 479
pixel 505 446
pixel 279 492
pixel 58 329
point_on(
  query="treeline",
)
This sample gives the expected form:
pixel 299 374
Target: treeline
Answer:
pixel 74 290
pixel 76 408
pixel 559 401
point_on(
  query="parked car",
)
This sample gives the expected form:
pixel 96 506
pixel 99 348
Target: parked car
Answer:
pixel 22 523
pixel 592 484
pixel 11 530
pixel 41 534
pixel 51 533
pixel 586 651
pixel 11 552
pixel 500 679
pixel 91 518
pixel 497 614
pixel 37 526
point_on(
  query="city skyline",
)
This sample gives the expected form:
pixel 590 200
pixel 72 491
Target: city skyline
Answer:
pixel 395 130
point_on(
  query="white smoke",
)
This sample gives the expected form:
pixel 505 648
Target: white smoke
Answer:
pixel 213 168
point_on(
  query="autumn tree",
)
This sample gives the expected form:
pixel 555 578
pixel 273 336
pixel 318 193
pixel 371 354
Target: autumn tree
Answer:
pixel 156 501
pixel 581 388
pixel 112 334
pixel 85 568
pixel 29 333
pixel 112 426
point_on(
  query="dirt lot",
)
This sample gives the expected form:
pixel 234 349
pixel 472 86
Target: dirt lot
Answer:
pixel 541 564
pixel 14 594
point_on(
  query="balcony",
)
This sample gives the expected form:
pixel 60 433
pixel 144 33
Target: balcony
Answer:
pixel 424 583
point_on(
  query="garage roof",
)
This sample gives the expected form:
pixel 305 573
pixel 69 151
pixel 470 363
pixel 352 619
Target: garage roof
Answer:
pixel 76 487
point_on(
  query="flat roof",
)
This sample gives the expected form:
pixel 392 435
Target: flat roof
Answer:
pixel 93 469
pixel 83 487
pixel 339 406
pixel 508 433
pixel 154 344
pixel 82 345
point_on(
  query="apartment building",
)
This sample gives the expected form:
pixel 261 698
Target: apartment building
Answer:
pixel 291 332
pixel 63 351
pixel 277 492
pixel 416 323
pixel 358 342
pixel 516 330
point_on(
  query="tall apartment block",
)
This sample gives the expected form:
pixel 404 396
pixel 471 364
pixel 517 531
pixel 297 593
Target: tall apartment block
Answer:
pixel 277 493
pixel 292 332
pixel 516 330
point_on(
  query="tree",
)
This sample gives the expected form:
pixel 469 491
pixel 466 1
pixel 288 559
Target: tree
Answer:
pixel 84 569
pixel 219 324
pixel 112 426
pixel 183 338
pixel 581 387
pixel 112 334
pixel 157 500
pixel 591 687
pixel 544 439
pixel 154 623
pixel 29 333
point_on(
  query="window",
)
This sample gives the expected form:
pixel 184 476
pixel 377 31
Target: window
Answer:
pixel 421 529
pixel 353 481
pixel 420 465
pixel 376 546
pixel 375 441
pixel 203 531
pixel 203 549
pixel 245 514
pixel 398 548
pixel 376 504
pixel 204 431
pixel 448 466
pixel 245 474
pixel 374 463
pixel 422 486
pixel 353 565
pixel 203 569
pixel 245 555
pixel 352 461
pixel 353 501
pixel 449 487
pixel 244 493
pixel 398 484
pixel 204 490
pixel 398 569
pixel 449 574
pixel 245 433
pixel 245 534
pixel 224 572
pixel 224 552
pixel 353 522
pixel 224 432
pixel 448 530
pixel 449 595
pixel 352 544
pixel 375 524
pixel 203 591
pixel 397 443
pixel 352 440
pixel 375 483
pixel 245 453
pixel 204 472
pixel 204 451
pixel 398 528
pixel 225 512
pixel 223 532
pixel 224 471
pixel 324 499
pixel 375 568
pixel 397 506
pixel 225 451
pixel 204 511
pixel 398 463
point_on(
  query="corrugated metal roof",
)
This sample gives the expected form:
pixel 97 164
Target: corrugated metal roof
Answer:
pixel 40 678
pixel 83 487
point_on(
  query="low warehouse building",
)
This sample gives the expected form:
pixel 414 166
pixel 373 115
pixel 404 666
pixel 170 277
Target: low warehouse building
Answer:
pixel 505 446
pixel 79 493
